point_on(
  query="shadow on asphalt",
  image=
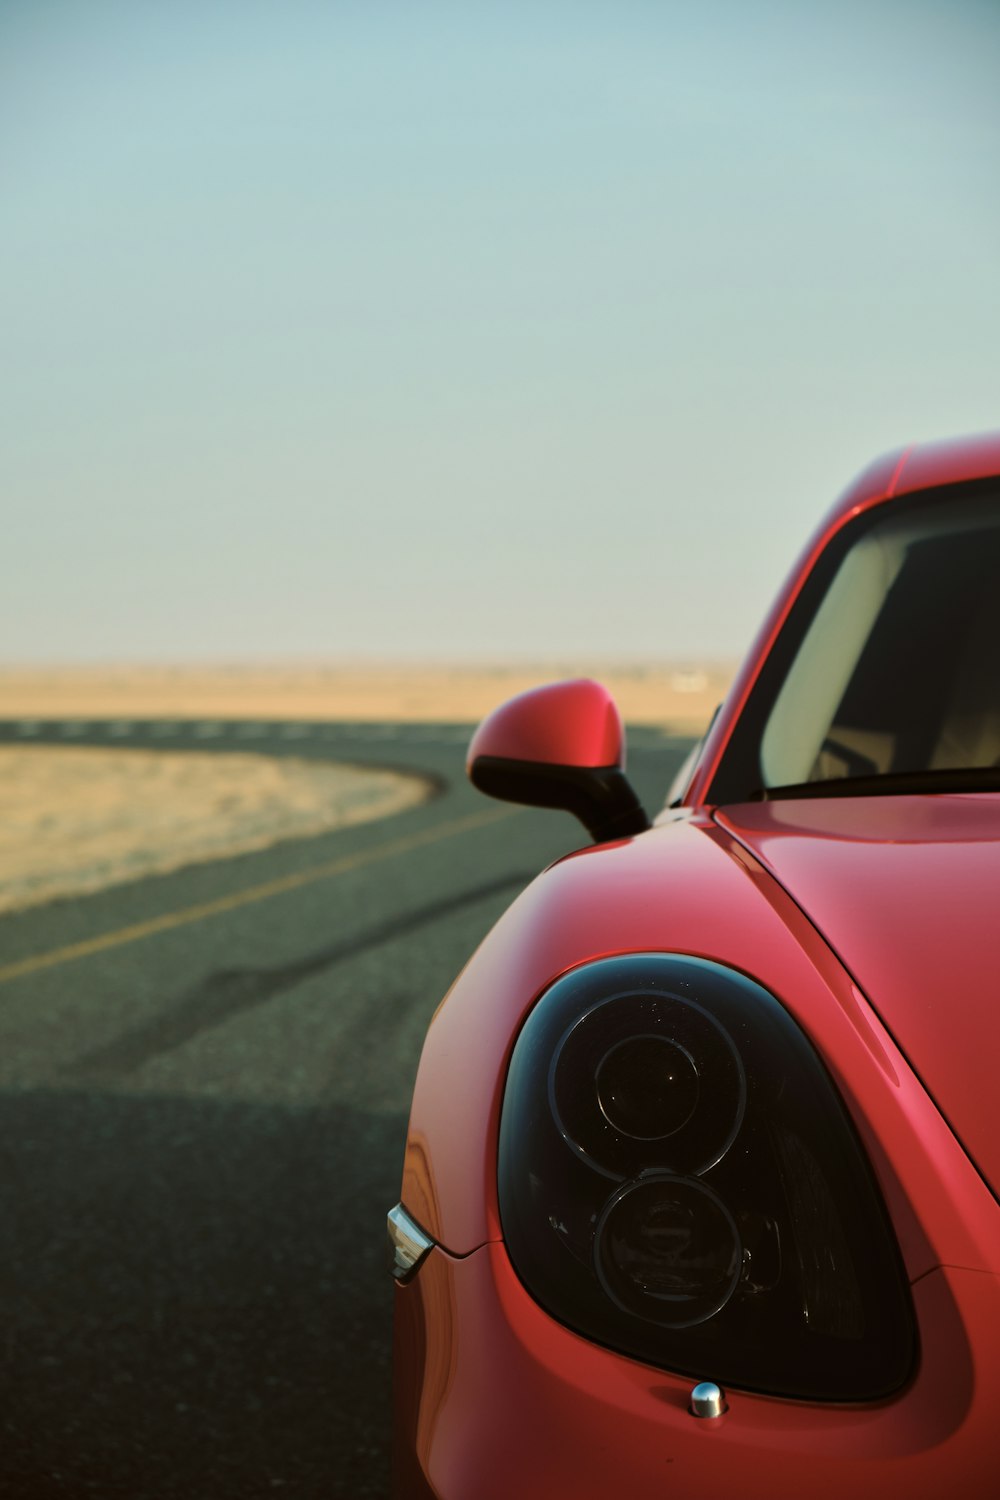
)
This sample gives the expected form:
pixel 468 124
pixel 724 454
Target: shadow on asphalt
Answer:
pixel 183 1311
pixel 193 1296
pixel 231 992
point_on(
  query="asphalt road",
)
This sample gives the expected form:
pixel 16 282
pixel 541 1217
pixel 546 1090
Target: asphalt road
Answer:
pixel 204 1081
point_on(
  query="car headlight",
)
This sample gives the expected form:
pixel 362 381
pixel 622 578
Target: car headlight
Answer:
pixel 679 1180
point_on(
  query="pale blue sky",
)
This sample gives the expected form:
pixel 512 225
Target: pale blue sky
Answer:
pixel 510 330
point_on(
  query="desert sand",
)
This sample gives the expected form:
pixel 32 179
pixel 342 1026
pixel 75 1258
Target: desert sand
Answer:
pixel 678 697
pixel 74 820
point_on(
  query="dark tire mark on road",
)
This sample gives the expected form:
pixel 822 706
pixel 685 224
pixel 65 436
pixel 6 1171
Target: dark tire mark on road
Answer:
pixel 223 995
pixel 200 1134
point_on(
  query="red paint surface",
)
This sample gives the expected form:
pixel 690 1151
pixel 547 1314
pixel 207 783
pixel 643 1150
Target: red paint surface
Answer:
pixel 686 887
pixel 907 891
pixel 497 1400
pixel 872 921
pixel 952 461
pixel 574 723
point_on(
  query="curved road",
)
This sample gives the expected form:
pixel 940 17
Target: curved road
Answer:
pixel 204 1081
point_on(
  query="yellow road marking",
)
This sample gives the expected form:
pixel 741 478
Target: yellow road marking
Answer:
pixel 188 914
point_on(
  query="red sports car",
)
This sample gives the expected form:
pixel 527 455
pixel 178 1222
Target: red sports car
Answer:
pixel 700 1189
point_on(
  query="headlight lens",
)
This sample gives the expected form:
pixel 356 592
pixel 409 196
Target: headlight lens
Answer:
pixel 679 1180
pixel 668 1248
pixel 668 1083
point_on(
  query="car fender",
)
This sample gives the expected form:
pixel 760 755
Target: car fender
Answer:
pixel 686 886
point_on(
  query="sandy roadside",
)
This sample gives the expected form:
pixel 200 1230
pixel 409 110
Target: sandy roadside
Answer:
pixel 74 820
pixel 678 697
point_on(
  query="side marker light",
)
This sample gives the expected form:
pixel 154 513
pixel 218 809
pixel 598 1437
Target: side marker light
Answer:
pixel 407 1243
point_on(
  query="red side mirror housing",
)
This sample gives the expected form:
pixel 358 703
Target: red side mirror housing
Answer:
pixel 560 746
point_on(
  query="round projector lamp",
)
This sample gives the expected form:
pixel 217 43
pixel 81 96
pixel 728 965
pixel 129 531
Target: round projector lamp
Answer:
pixel 667 1249
pixel 647 1087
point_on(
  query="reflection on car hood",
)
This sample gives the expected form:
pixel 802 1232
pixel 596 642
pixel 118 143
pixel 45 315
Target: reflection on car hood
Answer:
pixel 906 890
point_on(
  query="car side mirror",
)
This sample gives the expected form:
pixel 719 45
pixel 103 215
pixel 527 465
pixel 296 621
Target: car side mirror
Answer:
pixel 560 746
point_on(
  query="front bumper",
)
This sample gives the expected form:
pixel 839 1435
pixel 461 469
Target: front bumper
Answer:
pixel 494 1398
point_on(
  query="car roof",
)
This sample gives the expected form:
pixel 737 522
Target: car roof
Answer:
pixel 920 466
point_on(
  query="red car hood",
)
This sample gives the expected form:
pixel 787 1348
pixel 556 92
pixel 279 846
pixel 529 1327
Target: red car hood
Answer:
pixel 906 890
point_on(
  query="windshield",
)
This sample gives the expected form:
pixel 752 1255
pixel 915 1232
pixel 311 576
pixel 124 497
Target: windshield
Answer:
pixel 889 666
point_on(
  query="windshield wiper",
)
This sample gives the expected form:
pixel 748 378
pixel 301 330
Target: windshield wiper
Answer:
pixel 890 784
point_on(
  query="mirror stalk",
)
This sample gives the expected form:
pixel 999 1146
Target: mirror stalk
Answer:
pixel 601 797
